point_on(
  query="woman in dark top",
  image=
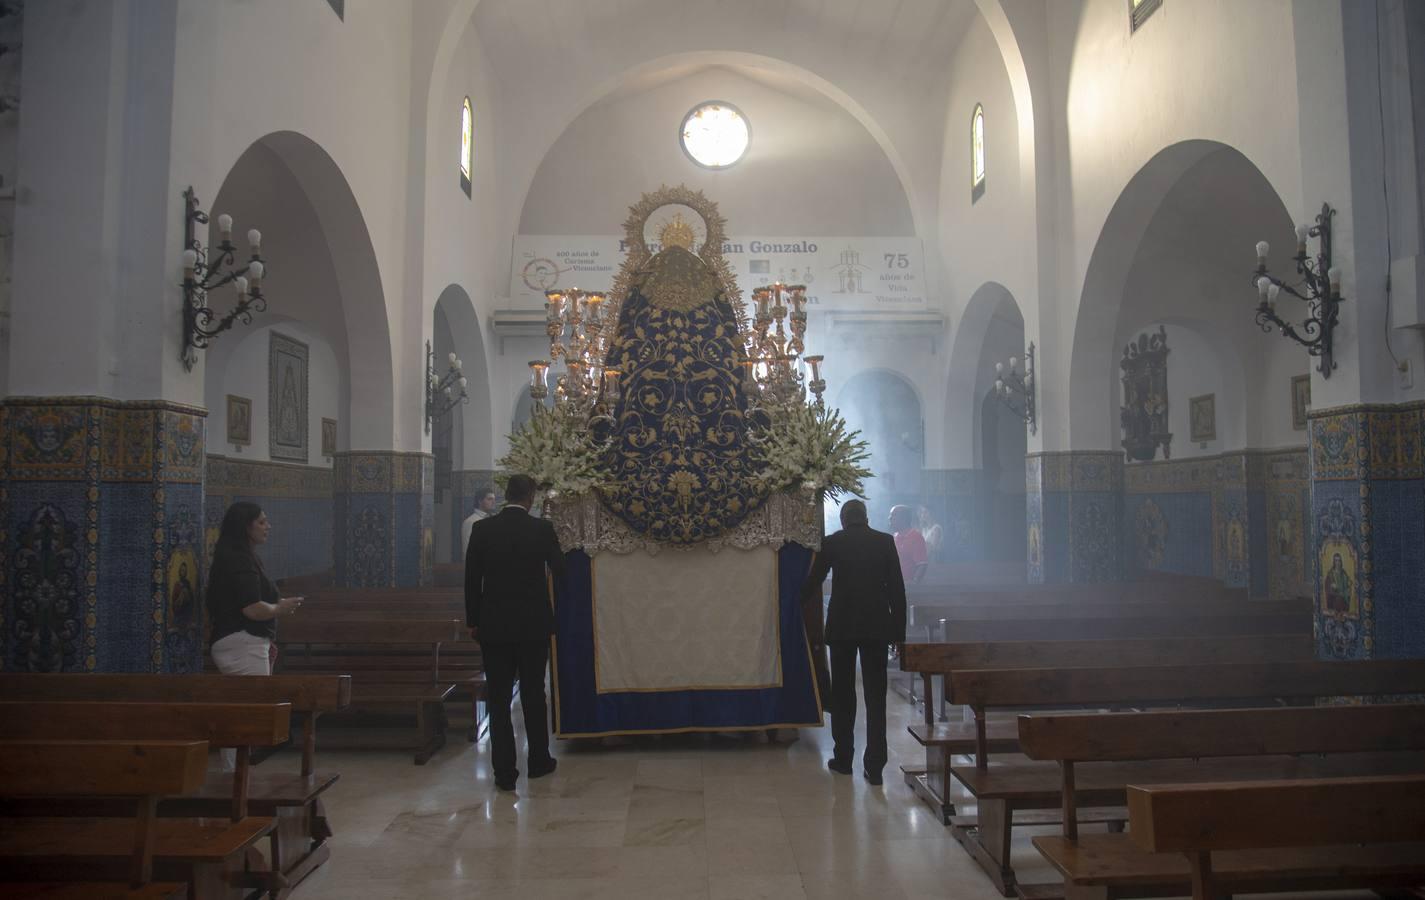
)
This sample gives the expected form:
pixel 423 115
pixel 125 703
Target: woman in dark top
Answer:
pixel 243 604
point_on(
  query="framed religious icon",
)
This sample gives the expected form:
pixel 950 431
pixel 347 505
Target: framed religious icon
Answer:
pixel 1300 400
pixel 1202 417
pixel 287 398
pixel 328 437
pixel 239 420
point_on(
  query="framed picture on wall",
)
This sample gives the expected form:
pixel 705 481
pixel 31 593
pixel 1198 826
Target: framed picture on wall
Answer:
pixel 1202 417
pixel 287 398
pixel 239 420
pixel 328 437
pixel 1300 400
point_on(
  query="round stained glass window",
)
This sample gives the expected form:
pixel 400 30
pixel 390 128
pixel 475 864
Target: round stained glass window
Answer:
pixel 715 135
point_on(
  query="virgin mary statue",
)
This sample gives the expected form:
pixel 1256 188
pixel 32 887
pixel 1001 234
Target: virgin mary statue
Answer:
pixel 682 473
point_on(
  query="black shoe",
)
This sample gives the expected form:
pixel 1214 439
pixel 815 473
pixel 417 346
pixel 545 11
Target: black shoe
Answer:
pixel 539 770
pixel 505 785
pixel 839 767
pixel 873 777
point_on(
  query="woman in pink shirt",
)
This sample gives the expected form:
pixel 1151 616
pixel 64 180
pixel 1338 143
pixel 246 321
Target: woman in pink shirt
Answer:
pixel 910 545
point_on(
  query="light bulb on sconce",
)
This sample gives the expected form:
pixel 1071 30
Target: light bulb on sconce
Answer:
pixel 1319 288
pixel 1015 389
pixel 441 394
pixel 205 268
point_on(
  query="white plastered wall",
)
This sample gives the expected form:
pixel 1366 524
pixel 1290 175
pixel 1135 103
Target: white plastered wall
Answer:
pixel 245 374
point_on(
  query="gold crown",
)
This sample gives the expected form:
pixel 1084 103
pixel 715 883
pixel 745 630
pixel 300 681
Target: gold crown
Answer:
pixel 677 233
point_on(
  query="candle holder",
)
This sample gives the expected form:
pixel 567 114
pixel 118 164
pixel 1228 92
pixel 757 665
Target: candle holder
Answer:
pixel 1319 289
pixel 441 396
pixel 538 379
pixel 204 270
pixel 1015 389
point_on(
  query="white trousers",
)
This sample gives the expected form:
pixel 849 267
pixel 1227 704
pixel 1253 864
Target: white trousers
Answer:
pixel 241 653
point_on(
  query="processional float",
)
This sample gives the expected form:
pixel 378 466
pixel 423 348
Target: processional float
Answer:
pixel 685 458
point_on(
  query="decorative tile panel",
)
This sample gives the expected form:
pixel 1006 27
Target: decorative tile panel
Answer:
pixel 384 506
pixel 89 492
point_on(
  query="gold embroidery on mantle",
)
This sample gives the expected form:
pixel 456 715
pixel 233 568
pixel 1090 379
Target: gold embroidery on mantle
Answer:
pixel 676 279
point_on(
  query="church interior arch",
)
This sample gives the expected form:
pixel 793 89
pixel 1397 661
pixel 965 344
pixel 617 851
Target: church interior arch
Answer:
pixel 1167 250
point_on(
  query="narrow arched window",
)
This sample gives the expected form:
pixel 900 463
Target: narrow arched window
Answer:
pixel 977 153
pixel 467 144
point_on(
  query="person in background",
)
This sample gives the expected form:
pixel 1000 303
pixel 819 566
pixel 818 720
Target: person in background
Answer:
pixel 509 610
pixel 909 544
pixel 932 532
pixel 484 508
pixel 866 616
pixel 243 603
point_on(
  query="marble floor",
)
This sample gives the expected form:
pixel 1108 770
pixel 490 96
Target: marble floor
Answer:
pixel 691 816
pixel 715 817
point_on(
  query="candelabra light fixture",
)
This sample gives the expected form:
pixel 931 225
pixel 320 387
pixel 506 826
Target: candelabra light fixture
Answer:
pixel 1319 289
pixel 773 361
pixel 1015 388
pixel 441 390
pixel 574 322
pixel 207 268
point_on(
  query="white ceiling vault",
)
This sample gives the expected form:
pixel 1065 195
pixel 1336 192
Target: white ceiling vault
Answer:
pixel 887 62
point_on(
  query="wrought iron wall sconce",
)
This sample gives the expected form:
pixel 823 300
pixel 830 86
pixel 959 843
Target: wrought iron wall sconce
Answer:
pixel 1319 289
pixel 441 397
pixel 208 268
pixel 1015 389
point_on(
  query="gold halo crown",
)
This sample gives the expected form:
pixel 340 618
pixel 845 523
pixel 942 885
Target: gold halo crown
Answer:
pixel 677 233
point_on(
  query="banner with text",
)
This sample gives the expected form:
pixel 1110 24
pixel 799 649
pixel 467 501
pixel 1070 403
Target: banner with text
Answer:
pixel 840 272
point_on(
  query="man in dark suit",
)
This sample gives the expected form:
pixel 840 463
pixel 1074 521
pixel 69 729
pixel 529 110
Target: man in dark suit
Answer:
pixel 867 615
pixel 510 611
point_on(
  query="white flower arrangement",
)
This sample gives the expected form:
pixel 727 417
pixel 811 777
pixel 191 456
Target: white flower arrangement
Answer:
pixel 558 450
pixel 809 446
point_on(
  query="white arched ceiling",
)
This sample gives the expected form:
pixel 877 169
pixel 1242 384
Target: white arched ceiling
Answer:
pixel 812 168
pixel 555 58
pixel 1178 247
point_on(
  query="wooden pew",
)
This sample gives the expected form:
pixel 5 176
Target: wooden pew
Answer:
pixel 1101 755
pixel 315 644
pixel 198 852
pixel 1003 789
pixel 945 740
pixel 1309 834
pixel 295 801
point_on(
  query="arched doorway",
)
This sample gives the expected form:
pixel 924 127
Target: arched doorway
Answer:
pixel 885 408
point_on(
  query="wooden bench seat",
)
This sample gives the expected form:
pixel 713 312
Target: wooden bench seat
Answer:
pixel 988 689
pixel 1111 865
pixel 418 690
pixel 932 782
pixel 94 890
pixel 299 842
pixel 1360 744
pixel 205 854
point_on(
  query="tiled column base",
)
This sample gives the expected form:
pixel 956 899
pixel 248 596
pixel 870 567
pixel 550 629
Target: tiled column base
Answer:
pixel 298 503
pixel 466 488
pixel 1368 531
pixel 955 497
pixel 1075 510
pixel 384 517
pixel 101 535
pixel 1238 517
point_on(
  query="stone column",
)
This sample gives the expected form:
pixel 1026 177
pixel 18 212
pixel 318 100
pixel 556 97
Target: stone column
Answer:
pixel 383 527
pixel 102 557
pixel 1075 513
pixel 1368 530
